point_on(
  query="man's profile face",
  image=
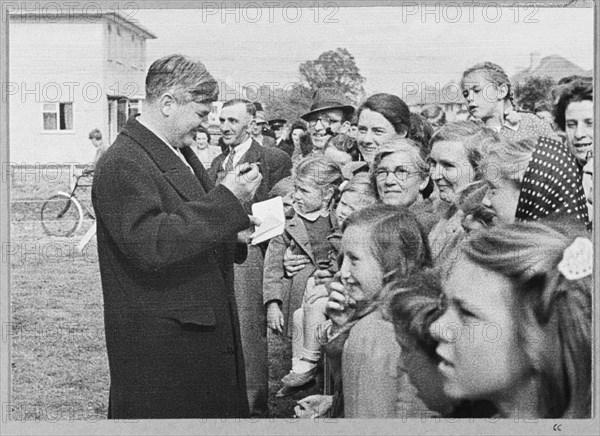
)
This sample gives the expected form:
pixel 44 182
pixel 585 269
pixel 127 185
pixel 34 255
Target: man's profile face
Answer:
pixel 234 122
pixel 184 120
pixel 320 121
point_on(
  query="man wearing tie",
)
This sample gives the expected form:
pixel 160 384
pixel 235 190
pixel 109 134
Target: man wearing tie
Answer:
pixel 236 118
pixel 167 241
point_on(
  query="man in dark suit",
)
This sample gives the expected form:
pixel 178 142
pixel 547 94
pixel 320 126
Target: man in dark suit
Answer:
pixel 167 240
pixel 236 119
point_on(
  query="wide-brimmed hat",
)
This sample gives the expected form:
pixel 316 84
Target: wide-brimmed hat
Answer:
pixel 326 101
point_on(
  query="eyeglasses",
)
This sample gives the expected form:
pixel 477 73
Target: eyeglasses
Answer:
pixel 325 120
pixel 401 173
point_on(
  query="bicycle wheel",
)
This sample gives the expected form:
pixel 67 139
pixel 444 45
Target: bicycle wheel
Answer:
pixel 61 215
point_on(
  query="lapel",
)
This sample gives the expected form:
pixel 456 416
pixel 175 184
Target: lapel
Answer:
pixel 199 170
pixel 254 154
pixel 297 231
pixel 174 170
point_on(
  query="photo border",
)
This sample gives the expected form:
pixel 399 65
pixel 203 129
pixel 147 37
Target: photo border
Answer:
pixel 272 426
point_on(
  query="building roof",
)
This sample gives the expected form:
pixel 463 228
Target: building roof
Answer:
pixel 553 66
pixel 115 17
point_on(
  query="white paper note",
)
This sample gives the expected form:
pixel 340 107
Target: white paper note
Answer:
pixel 270 212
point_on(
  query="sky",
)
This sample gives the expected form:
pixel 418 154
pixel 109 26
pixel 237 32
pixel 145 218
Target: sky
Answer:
pixel 392 46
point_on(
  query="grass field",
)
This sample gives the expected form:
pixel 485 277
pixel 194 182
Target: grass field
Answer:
pixel 58 354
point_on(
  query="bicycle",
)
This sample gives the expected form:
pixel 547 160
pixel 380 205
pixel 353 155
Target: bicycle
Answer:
pixel 62 214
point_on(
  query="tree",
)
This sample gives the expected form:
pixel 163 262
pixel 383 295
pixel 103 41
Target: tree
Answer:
pixel 288 102
pixel 534 92
pixel 334 70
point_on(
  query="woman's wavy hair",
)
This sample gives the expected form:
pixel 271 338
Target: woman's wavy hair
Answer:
pixel 578 90
pixel 554 314
pixel 475 137
pixel 392 108
pixel 508 160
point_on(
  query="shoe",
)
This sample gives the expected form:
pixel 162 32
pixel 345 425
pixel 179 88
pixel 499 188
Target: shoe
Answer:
pixel 286 391
pixel 294 379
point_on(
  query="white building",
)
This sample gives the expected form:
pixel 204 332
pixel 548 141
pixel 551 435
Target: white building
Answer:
pixel 70 73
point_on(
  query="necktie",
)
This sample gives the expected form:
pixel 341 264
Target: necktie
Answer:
pixel 229 162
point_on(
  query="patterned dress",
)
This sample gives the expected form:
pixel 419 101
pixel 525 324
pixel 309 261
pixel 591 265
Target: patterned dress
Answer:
pixel 552 185
pixel 523 125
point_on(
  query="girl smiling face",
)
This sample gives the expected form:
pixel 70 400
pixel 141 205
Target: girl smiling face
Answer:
pixel 360 273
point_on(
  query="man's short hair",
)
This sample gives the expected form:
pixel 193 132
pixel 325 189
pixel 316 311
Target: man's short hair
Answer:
pixel 250 107
pixel 186 79
pixel 95 134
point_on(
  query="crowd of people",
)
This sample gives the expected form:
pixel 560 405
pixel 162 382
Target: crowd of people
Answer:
pixel 427 268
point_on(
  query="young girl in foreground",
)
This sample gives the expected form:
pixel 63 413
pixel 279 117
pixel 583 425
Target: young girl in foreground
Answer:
pixel 356 194
pixel 516 327
pixel 316 183
pixel 379 243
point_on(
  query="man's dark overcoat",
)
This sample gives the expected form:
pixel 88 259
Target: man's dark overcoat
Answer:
pixel 166 247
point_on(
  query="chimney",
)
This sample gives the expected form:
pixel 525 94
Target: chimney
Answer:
pixel 535 59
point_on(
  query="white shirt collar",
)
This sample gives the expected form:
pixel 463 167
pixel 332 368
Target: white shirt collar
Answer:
pixel 312 216
pixel 240 151
pixel 163 139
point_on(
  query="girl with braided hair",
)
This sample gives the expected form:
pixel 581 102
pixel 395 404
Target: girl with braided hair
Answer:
pixel 489 96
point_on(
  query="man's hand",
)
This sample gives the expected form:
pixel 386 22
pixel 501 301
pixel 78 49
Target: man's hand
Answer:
pixel 243 182
pixel 244 235
pixel 275 317
pixel 293 263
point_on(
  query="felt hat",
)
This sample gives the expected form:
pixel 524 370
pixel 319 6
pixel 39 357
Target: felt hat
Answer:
pixel 324 101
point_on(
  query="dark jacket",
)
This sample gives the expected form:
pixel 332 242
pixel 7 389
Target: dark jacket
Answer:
pixel 274 166
pixel 166 247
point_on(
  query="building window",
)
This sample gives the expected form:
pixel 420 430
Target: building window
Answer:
pixel 134 108
pixel 57 116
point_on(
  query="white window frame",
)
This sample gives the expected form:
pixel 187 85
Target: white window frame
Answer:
pixel 57 112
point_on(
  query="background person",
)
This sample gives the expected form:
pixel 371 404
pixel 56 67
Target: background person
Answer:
pixel 574 114
pixel 381 119
pixel 95 137
pixel 203 149
pixel 489 96
pixel 236 120
pixel 328 117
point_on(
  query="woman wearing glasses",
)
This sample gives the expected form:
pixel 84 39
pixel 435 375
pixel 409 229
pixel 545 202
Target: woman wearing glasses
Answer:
pixel 401 174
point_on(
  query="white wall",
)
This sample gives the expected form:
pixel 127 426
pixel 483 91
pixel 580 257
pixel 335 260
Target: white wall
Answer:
pixel 64 61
